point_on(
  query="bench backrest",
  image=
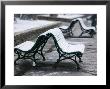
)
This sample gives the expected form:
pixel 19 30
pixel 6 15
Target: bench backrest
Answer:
pixel 72 24
pixel 81 22
pixel 40 42
pixel 58 38
pixel 33 47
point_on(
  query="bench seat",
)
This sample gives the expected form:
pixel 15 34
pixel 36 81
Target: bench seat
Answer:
pixel 25 46
pixel 64 27
pixel 72 48
pixel 29 49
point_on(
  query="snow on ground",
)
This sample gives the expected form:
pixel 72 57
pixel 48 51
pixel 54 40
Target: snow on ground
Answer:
pixel 69 16
pixel 46 15
pixel 21 25
pixel 66 67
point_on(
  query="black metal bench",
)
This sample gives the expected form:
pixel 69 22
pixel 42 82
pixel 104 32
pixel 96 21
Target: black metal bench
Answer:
pixel 28 49
pixel 68 29
pixel 65 50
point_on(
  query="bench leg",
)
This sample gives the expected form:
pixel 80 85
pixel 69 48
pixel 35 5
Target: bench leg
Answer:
pixel 80 60
pixel 56 63
pixel 34 60
pixel 71 33
pixel 35 64
pixel 76 64
pixel 58 60
pixel 81 34
pixel 18 57
pixel 43 56
pixel 15 61
pixel 91 35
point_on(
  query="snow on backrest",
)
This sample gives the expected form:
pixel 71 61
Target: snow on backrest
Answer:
pixel 58 36
pixel 82 23
pixel 84 26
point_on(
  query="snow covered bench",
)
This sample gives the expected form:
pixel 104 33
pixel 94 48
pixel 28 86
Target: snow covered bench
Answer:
pixel 28 49
pixel 85 29
pixel 65 50
pixel 90 30
pixel 68 29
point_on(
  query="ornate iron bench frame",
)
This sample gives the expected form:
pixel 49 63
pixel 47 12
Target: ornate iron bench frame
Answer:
pixel 68 30
pixel 63 55
pixel 40 43
pixel 90 30
pixel 36 49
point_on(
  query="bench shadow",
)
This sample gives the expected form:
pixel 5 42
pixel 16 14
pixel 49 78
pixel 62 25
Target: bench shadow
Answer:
pixel 44 66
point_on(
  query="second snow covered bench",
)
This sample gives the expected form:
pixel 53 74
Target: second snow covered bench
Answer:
pixel 85 29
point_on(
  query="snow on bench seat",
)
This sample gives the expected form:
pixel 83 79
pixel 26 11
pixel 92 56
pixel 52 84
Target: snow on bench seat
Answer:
pixel 25 46
pixel 71 48
pixel 64 27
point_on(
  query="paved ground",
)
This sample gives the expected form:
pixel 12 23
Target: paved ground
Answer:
pixel 66 67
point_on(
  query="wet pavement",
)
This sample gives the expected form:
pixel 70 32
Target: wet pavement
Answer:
pixel 66 67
